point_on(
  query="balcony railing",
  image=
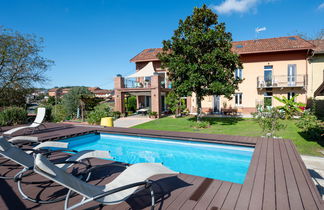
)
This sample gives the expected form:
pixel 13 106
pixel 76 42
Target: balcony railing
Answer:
pixel 131 83
pixel 281 81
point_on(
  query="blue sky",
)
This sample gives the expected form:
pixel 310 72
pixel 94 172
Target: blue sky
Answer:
pixel 93 40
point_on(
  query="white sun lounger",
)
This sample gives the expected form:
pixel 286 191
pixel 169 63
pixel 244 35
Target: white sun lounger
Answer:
pixel 41 111
pixel 130 181
pixel 26 160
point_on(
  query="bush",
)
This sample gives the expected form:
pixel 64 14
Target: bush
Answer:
pixel 269 120
pixel 131 103
pixel 200 124
pixel 100 111
pixel 12 116
pixel 311 126
pixel 58 113
pixel 152 114
pixel 116 114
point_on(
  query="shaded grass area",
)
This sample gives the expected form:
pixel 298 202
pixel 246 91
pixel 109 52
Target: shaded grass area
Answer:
pixel 236 126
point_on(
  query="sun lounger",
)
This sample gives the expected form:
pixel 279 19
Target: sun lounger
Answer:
pixel 41 111
pixel 26 160
pixel 134 178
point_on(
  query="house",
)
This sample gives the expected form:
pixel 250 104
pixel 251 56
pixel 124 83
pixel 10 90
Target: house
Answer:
pixel 149 83
pixel 316 70
pixel 271 67
pixel 55 92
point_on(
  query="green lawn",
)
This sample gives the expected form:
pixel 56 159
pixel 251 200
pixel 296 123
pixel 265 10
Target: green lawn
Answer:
pixel 235 126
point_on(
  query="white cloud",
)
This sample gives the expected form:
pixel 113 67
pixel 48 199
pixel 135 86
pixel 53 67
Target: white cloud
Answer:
pixel 321 6
pixel 259 29
pixel 239 6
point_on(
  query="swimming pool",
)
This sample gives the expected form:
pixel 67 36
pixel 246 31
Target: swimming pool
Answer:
pixel 217 161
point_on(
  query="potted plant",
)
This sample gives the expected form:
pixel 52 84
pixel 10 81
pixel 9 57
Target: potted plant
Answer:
pixel 152 114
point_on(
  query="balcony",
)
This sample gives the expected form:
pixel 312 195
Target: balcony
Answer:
pixel 281 81
pixel 144 83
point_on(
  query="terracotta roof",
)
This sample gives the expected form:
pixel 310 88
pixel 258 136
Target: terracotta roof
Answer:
pixel 101 91
pixel 319 45
pixel 53 89
pixel 147 55
pixel 288 43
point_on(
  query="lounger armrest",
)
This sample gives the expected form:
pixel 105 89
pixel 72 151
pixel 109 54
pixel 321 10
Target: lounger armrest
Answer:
pixel 146 183
pixel 49 152
pixel 73 162
pixel 96 167
pixel 23 139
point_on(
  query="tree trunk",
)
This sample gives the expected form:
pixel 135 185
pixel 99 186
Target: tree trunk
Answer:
pixel 198 108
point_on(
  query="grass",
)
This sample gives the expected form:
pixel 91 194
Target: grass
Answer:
pixel 236 126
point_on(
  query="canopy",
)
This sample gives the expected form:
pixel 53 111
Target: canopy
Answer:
pixel 146 71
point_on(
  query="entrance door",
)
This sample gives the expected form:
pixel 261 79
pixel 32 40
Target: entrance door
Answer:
pixel 217 107
pixel 291 74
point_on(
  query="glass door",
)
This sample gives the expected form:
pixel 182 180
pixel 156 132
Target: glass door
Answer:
pixel 217 108
pixel 268 76
pixel 291 74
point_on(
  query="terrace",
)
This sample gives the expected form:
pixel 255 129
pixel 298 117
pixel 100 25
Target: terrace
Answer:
pixel 277 177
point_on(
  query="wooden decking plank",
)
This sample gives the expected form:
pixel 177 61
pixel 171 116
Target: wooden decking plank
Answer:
pixel 259 181
pixel 315 193
pixel 305 193
pixel 292 189
pixel 176 193
pixel 281 194
pixel 208 196
pixel 269 200
pixel 231 198
pixel 221 195
pixel 244 197
pixel 180 200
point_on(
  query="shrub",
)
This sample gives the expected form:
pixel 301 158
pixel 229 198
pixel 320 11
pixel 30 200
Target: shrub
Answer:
pixel 100 111
pixel 131 103
pixel 200 124
pixel 290 107
pixel 58 113
pixel 175 103
pixel 12 116
pixel 310 125
pixel 269 120
pixel 152 114
pixel 116 114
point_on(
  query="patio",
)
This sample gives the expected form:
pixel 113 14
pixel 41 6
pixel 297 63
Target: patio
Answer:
pixel 277 177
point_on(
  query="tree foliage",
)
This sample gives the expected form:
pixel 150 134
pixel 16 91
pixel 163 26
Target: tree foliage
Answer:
pixel 71 101
pixel 199 58
pixel 21 65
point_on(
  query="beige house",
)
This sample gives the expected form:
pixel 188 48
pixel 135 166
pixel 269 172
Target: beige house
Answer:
pixel 271 67
pixel 316 70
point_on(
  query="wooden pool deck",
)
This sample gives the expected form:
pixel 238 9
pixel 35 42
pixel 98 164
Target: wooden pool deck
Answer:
pixel 277 178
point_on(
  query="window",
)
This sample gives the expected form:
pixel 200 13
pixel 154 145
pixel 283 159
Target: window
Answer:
pixel 239 73
pixel 238 99
pixel 290 95
pixel 267 100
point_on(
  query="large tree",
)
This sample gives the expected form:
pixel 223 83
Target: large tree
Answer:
pixel 199 58
pixel 21 63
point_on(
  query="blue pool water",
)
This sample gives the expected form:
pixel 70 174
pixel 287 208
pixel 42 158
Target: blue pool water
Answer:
pixel 217 161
